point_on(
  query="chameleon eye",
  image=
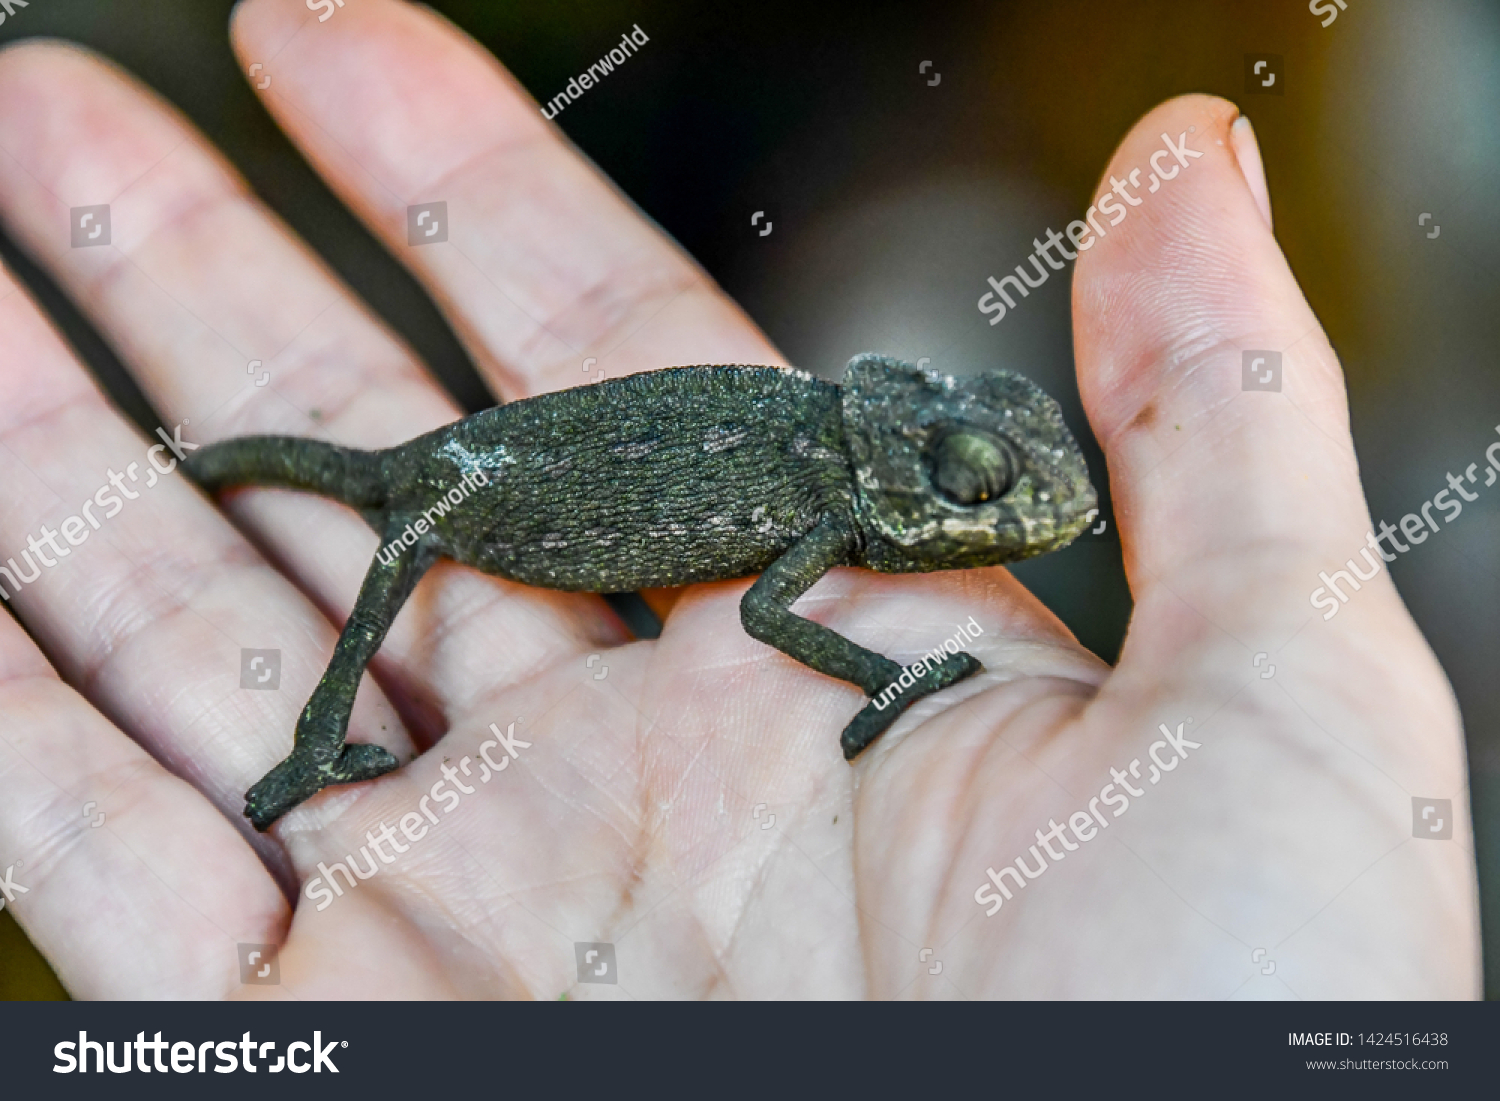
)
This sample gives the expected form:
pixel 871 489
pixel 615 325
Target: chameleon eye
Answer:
pixel 970 467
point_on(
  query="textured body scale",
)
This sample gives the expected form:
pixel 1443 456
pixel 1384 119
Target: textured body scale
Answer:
pixel 663 478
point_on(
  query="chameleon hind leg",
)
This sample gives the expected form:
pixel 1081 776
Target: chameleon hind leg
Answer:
pixel 767 616
pixel 319 756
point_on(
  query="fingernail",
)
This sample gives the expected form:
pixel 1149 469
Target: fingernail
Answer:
pixel 1247 152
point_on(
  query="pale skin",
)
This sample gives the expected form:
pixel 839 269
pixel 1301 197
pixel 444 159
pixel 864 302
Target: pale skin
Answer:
pixel 634 816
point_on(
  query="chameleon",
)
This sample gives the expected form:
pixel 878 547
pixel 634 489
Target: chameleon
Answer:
pixel 683 475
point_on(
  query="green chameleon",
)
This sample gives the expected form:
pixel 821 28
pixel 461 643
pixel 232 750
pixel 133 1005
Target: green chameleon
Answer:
pixel 682 475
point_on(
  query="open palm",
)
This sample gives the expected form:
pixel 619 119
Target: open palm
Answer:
pixel 683 800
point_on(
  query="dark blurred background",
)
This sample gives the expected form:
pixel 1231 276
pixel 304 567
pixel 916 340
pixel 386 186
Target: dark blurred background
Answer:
pixel 893 197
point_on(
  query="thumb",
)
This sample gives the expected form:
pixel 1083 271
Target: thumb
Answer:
pixel 1213 390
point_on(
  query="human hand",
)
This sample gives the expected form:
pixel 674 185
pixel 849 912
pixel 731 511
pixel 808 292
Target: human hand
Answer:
pixel 634 814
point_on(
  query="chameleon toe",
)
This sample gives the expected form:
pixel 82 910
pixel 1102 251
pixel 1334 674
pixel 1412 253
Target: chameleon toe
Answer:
pixel 302 775
pixel 361 762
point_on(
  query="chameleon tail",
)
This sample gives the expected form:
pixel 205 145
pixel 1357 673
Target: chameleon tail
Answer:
pixel 343 473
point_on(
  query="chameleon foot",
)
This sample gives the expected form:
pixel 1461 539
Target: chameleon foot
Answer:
pixel 304 774
pixel 874 720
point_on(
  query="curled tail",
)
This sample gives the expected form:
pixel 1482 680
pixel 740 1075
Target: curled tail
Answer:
pixel 343 473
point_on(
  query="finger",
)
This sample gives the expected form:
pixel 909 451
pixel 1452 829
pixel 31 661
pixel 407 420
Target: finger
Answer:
pixel 130 883
pixel 198 279
pixel 1229 499
pixel 545 263
pixel 138 589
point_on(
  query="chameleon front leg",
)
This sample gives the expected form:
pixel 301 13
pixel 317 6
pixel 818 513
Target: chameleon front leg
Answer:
pixel 766 613
pixel 319 756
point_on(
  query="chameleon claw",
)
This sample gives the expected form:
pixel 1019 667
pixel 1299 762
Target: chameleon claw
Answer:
pixel 303 774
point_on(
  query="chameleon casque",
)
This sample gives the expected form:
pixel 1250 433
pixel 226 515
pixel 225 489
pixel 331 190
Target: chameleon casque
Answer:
pixel 682 475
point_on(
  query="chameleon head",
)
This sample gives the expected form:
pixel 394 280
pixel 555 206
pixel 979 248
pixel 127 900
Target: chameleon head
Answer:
pixel 953 473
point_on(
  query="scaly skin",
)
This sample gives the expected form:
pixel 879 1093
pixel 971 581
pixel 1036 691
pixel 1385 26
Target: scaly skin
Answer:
pixel 679 476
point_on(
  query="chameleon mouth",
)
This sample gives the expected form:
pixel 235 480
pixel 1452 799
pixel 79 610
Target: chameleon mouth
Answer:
pixel 1072 523
pixel 1084 507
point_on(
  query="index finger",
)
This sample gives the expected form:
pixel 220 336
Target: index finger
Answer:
pixel 537 261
